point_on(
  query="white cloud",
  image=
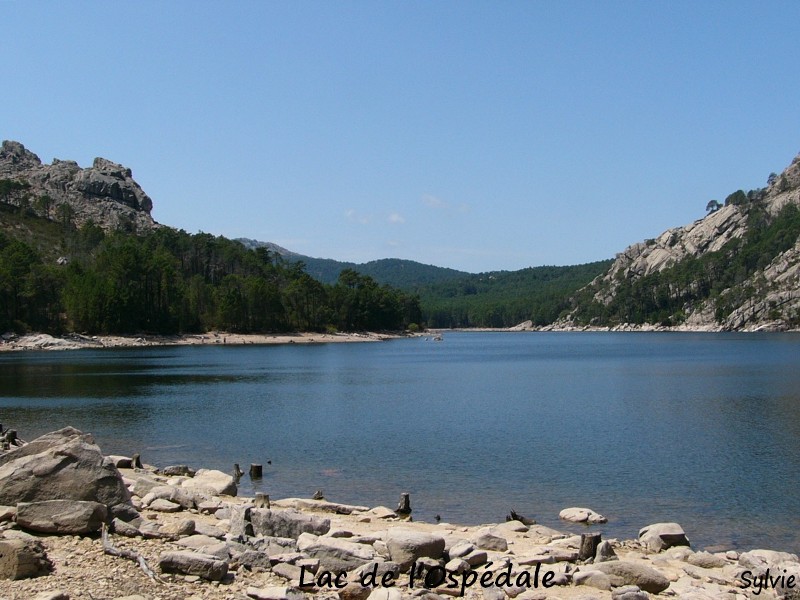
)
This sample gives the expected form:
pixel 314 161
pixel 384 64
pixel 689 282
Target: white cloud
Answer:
pixel 433 201
pixel 396 218
pixel 356 217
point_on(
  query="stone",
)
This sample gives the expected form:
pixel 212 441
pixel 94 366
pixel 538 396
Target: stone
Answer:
pixel 605 552
pixel 644 577
pixel 581 515
pixel 354 591
pixel 241 527
pixel 61 465
pixel 22 559
pixel 221 484
pixel 762 559
pixel 69 517
pixel 120 462
pixel 595 579
pixel 161 505
pixel 178 470
pixel 382 593
pixel 193 563
pixel 287 571
pixel 335 554
pixel 660 536
pixel 287 523
pixel 274 593
pixel 120 527
pixel 7 513
pixel 251 560
pixel 382 512
pixel 629 592
pixel 407 545
pixel 487 539
pixel 183 527
pixel 706 560
pixel 186 498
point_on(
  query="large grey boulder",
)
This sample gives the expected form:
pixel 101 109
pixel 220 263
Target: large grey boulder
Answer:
pixel 645 578
pixel 406 546
pixel 286 523
pixel 63 517
pixel 335 554
pixel 219 483
pixel 192 563
pixel 23 558
pixel 61 465
pixel 660 536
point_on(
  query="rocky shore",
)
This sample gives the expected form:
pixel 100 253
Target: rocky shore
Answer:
pixel 75 525
pixel 74 341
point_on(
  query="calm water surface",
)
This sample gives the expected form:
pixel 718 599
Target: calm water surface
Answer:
pixel 702 429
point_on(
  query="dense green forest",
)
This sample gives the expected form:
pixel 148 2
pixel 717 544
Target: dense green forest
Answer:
pixel 723 277
pixel 169 281
pixel 505 298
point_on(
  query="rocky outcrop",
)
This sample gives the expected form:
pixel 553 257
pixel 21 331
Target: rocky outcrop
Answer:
pixel 772 294
pixel 104 193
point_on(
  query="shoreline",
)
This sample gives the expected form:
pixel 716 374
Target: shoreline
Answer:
pixel 10 342
pixel 74 341
pixel 272 549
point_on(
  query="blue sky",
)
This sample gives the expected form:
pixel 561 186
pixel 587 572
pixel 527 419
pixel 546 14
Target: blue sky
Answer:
pixel 473 135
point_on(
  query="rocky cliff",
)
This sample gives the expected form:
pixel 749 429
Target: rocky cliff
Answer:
pixel 686 275
pixel 105 193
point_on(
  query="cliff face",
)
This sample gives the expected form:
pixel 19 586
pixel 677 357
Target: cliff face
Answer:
pixel 768 298
pixel 105 193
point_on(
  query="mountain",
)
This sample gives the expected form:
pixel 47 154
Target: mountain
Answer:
pixel 404 274
pixel 104 193
pixel 736 269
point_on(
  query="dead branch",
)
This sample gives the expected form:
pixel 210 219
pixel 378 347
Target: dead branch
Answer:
pixel 109 548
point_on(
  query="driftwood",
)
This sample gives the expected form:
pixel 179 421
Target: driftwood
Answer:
pixel 515 516
pixel 109 548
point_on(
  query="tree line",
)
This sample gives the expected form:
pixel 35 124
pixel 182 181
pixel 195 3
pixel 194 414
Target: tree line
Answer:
pixel 169 281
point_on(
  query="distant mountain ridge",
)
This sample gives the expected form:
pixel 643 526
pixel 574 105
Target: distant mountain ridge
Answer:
pixel 397 272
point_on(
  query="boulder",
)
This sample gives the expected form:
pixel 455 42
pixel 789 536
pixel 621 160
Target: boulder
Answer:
pixel 23 558
pixel 605 552
pixel 595 579
pixel 67 517
pixel 660 536
pixel 487 539
pixel 287 523
pixel 407 545
pixel 221 484
pixel 192 563
pixel 61 465
pixel 161 505
pixel 581 515
pixel 706 560
pixel 630 573
pixel 629 592
pixel 335 554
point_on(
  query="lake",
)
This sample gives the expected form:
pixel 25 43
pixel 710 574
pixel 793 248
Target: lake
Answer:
pixel 702 429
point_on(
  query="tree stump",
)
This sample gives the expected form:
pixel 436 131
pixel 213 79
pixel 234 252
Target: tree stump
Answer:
pixel 136 461
pixel 589 543
pixel 261 500
pixel 237 472
pixel 404 506
pixel 256 471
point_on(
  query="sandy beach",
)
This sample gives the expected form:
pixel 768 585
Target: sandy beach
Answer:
pixel 74 341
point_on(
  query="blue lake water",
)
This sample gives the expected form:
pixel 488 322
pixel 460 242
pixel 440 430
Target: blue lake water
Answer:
pixel 702 429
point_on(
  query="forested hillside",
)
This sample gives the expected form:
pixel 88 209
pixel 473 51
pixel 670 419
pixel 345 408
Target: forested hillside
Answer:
pixel 168 281
pixel 505 298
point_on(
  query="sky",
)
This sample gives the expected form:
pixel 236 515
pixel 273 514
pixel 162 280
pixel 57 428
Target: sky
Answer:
pixel 474 135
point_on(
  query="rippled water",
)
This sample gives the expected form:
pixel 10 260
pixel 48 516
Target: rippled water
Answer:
pixel 702 429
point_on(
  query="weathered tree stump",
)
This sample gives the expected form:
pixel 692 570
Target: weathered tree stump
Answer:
pixel 237 472
pixel 404 506
pixel 318 495
pixel 261 500
pixel 136 461
pixel 589 543
pixel 256 471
